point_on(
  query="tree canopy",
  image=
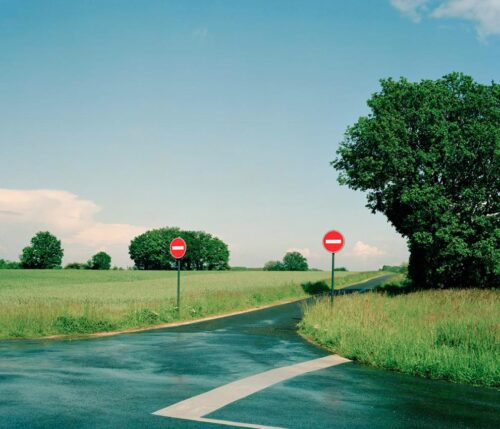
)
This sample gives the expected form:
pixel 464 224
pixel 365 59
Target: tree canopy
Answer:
pixel 44 252
pixel 150 251
pixel 100 261
pixel 295 261
pixel 292 261
pixel 428 157
pixel 274 266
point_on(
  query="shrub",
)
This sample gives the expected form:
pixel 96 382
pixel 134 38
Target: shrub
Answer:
pixel 81 325
pixel 315 288
pixel 76 266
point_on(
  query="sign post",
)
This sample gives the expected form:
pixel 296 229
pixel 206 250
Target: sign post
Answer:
pixel 333 241
pixel 178 250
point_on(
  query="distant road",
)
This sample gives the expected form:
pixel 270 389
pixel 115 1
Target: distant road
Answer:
pixel 366 285
pixel 249 370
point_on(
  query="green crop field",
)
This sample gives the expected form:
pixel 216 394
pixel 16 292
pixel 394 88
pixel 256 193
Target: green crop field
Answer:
pixel 36 303
pixel 448 334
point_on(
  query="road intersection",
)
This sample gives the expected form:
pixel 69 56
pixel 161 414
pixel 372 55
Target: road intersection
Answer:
pixel 265 374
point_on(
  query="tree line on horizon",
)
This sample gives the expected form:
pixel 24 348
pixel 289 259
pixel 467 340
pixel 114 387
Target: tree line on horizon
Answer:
pixel 149 251
pixel 45 252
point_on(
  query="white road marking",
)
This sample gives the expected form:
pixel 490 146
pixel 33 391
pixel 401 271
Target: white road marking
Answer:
pixel 230 423
pixel 201 405
pixel 177 247
pixel 333 241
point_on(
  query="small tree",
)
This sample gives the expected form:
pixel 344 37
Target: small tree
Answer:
pixel 100 261
pixel 274 266
pixel 295 261
pixel 45 252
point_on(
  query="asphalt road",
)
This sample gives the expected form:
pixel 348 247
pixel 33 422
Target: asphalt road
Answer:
pixel 120 381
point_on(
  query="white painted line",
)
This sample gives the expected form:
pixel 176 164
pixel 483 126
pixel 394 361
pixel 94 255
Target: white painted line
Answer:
pixel 177 247
pixel 201 405
pixel 334 241
pixel 233 424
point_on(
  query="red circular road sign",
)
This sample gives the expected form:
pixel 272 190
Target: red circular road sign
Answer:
pixel 178 248
pixel 333 241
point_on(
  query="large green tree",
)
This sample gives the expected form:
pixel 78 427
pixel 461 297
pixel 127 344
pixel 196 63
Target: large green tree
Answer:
pixel 150 251
pixel 428 157
pixel 45 251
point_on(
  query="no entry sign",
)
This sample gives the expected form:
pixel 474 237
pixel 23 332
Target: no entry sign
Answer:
pixel 178 248
pixel 333 241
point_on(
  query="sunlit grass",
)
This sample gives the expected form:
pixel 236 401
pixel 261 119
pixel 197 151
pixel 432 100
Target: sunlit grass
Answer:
pixel 452 334
pixel 44 302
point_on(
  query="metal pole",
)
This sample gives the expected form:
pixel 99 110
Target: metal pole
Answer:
pixel 178 286
pixel 333 284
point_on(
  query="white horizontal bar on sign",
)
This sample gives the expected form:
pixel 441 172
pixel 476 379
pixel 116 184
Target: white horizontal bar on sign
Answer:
pixel 177 247
pixel 333 241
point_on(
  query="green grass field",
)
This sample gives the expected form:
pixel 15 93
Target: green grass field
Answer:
pixel 36 303
pixel 446 334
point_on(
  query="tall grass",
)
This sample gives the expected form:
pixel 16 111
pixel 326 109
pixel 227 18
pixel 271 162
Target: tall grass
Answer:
pixel 37 303
pixel 452 334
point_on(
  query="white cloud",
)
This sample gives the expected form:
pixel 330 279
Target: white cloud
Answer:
pixel 102 234
pixel 412 8
pixel 484 13
pixel 62 210
pixel 305 252
pixel 68 216
pixel 364 250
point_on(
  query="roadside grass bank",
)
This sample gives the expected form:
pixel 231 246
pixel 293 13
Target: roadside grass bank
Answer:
pixel 38 303
pixel 441 334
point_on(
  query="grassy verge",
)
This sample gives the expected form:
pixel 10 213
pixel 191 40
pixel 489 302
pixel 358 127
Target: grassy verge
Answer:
pixel 36 303
pixel 452 334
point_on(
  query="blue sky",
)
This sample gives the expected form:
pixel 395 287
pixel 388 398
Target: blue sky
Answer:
pixel 119 116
